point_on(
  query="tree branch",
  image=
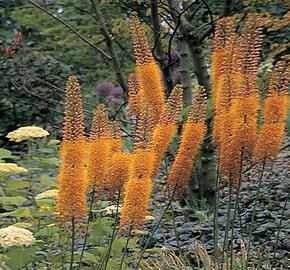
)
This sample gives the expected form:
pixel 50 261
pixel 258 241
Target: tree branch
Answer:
pixel 115 60
pixel 72 29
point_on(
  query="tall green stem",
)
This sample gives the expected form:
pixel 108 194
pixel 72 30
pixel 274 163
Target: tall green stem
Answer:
pixel 216 225
pixel 154 229
pixel 235 209
pixel 107 256
pixel 72 243
pixel 125 248
pixel 279 229
pixel 257 197
pixel 175 230
pixel 87 227
pixel 229 208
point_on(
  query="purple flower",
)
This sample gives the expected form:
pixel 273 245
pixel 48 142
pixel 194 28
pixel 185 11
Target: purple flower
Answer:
pixel 105 88
pixel 175 56
pixel 176 76
pixel 118 92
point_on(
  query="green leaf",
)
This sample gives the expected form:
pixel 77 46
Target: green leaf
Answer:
pixel 47 181
pixel 5 153
pixel 12 200
pixel 90 257
pixel 14 184
pixel 22 212
pixel 46 150
pixel 19 257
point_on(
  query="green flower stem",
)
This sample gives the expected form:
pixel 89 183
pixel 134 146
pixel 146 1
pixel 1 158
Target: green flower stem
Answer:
pixel 125 248
pixel 154 229
pixel 174 227
pixel 229 208
pixel 216 225
pixel 107 256
pixel 235 209
pixel 72 243
pixel 257 197
pixel 87 227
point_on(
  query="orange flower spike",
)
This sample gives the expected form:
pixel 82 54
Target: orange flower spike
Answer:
pixel 147 70
pixel 150 79
pixel 117 137
pixel 269 142
pixel 118 172
pixel 138 190
pixel 174 103
pixel 276 103
pixel 141 49
pixel 100 147
pixel 99 156
pixel 162 136
pixel 143 130
pixel 73 128
pixel 71 199
pixel 191 140
pixel 135 95
pixel 101 127
pixel 192 136
pixel 72 180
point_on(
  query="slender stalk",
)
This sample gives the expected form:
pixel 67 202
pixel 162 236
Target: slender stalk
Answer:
pixel 257 197
pixel 107 256
pixel 235 209
pixel 174 227
pixel 216 225
pixel 125 249
pixel 154 229
pixel 87 227
pixel 229 208
pixel 72 243
pixel 279 229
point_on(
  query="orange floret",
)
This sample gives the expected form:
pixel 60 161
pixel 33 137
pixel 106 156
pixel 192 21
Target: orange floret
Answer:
pixel 276 107
pixel 151 84
pixel 191 140
pixel 118 171
pixel 135 95
pixel 244 116
pixel 174 104
pixel 99 156
pixel 73 127
pixel 269 142
pixel 71 199
pixel 162 136
pixel 138 189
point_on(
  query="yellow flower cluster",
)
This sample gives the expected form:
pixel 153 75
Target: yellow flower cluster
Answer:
pixel 48 194
pixel 10 168
pixel 14 236
pixel 26 133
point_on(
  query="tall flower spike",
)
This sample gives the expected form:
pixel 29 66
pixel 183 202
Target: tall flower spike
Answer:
pixel 72 180
pixel 73 128
pixel 137 190
pixel 99 149
pixel 141 49
pixel 100 124
pixel 143 130
pixel 148 71
pixel 118 172
pixel 135 95
pixel 275 113
pixel 191 139
pixel 174 103
pixel 117 136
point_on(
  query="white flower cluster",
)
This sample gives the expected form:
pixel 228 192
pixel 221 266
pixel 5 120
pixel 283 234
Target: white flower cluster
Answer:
pixel 49 194
pixel 6 168
pixel 26 133
pixel 14 236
